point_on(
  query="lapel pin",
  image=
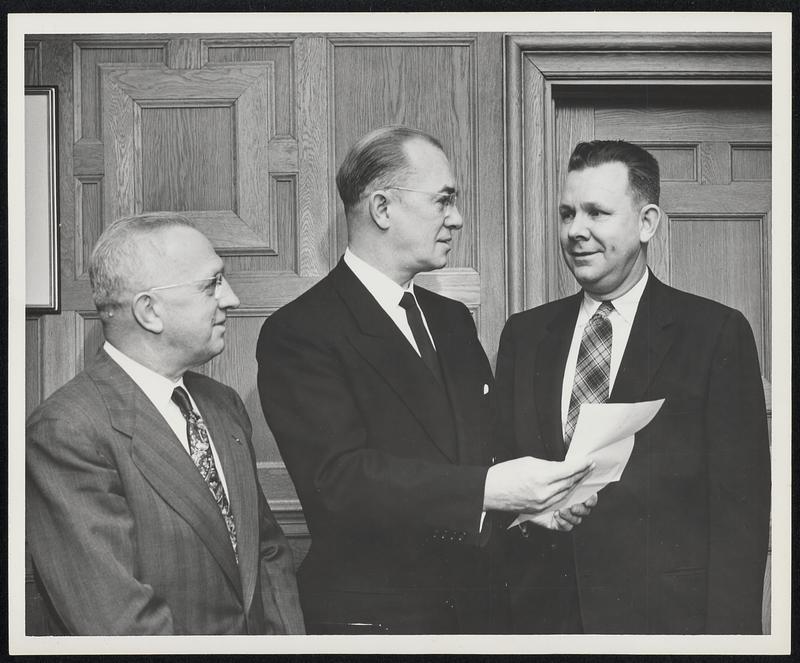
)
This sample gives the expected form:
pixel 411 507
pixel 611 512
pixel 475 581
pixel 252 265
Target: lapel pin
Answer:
pixel 485 389
pixel 236 439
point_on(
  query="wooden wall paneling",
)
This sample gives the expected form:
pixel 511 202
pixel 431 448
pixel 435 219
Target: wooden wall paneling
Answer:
pixel 751 162
pixel 33 62
pixel 489 217
pixel 716 258
pixel 33 364
pixel 128 93
pixel 315 227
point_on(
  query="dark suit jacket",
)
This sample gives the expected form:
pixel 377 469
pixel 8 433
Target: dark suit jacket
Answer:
pixel 679 544
pixel 125 535
pixel 389 466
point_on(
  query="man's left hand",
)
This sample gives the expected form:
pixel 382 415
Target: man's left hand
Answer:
pixel 565 519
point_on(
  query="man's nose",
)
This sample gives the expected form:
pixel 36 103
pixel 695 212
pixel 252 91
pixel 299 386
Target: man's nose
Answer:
pixel 578 227
pixel 454 218
pixel 227 297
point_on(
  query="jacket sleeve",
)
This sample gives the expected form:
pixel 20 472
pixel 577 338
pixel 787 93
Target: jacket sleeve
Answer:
pixel 739 484
pixel 279 595
pixel 506 361
pixel 316 420
pixel 80 532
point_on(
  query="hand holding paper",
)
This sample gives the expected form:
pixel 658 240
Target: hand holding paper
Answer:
pixel 604 434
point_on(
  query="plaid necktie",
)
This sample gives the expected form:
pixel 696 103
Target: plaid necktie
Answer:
pixel 423 340
pixel 592 368
pixel 200 451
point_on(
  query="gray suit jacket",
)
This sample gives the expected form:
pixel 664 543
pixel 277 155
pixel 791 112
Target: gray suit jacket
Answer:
pixel 124 534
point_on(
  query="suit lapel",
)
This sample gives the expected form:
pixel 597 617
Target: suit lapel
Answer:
pixel 464 387
pixel 652 334
pixel 162 460
pixel 382 344
pixel 230 442
pixel 548 377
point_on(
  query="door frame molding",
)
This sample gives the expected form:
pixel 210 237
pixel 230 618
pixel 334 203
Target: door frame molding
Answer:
pixel 534 63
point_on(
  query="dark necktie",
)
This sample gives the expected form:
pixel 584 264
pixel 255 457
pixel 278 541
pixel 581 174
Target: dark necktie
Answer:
pixel 200 451
pixel 423 340
pixel 593 367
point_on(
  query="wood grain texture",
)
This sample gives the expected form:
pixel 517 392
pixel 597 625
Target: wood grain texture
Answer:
pixel 187 159
pixel 654 65
pixel 715 162
pixel 489 218
pixel 184 53
pixel 688 198
pixel 538 160
pixel 677 163
pixel 751 163
pixel 718 259
pixel 88 55
pixel 165 128
pixel 88 220
pixel 517 93
pixel 33 62
pixel 427 86
pixel 255 126
pixel 33 364
pixel 314 230
pixel 277 50
pixel 62 345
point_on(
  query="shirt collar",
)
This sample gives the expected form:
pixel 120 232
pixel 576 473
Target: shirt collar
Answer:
pixel 625 305
pixel 156 387
pixel 380 286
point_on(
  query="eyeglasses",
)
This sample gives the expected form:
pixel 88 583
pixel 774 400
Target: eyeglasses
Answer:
pixel 446 199
pixel 215 281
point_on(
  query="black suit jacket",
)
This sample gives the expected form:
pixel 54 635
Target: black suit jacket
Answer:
pixel 679 544
pixel 123 531
pixel 389 465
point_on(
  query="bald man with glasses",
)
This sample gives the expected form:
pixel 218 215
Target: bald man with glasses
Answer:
pixel 380 397
pixel 144 515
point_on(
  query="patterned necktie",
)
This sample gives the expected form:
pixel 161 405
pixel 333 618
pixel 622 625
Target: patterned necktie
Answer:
pixel 423 340
pixel 200 451
pixel 592 368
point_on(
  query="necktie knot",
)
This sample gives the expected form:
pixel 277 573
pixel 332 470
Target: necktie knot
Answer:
pixel 408 301
pixel 181 399
pixel 604 311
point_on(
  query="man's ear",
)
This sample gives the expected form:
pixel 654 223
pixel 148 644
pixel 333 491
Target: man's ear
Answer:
pixel 649 218
pixel 145 313
pixel 379 209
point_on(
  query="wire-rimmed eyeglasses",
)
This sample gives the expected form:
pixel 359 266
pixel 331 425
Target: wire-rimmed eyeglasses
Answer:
pixel 446 199
pixel 215 281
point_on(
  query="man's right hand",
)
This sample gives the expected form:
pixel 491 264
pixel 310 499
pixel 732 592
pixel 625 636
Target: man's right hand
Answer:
pixel 531 485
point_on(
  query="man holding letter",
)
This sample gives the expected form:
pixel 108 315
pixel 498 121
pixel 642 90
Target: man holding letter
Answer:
pixel 381 399
pixel 679 544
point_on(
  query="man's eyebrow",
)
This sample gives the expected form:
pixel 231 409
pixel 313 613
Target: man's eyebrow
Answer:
pixel 447 189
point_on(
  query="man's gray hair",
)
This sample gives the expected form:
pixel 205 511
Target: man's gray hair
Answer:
pixel 377 159
pixel 118 257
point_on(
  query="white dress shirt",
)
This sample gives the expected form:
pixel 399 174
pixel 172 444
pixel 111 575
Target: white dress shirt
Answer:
pixel 159 390
pixel 388 294
pixel 621 319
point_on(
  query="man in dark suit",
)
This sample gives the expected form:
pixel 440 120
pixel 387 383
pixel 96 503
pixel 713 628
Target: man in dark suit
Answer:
pixel 380 397
pixel 679 544
pixel 143 510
